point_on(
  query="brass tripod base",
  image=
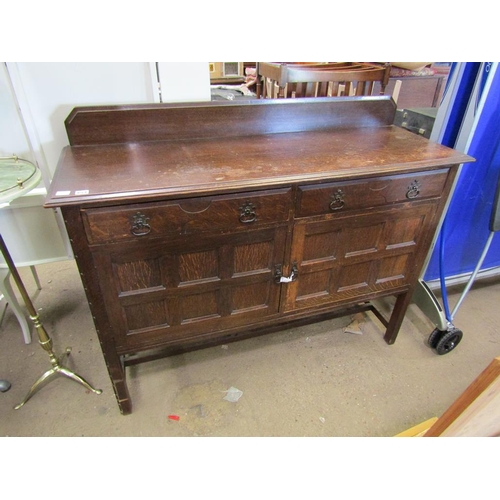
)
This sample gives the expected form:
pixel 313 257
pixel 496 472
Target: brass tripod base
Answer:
pixel 57 369
pixel 43 337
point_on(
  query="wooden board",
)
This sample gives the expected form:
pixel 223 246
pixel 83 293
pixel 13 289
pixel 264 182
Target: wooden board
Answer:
pixel 418 430
pixel 476 413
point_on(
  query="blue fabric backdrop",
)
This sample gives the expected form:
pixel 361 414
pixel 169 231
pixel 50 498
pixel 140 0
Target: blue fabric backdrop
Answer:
pixel 467 224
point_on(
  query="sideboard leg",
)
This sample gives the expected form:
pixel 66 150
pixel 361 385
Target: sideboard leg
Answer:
pixel 122 396
pixel 397 316
pixel 116 370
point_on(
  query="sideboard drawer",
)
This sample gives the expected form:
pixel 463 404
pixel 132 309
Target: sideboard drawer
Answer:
pixel 335 197
pixel 187 216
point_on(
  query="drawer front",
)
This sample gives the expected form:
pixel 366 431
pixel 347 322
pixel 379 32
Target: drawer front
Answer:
pixel 353 195
pixel 188 216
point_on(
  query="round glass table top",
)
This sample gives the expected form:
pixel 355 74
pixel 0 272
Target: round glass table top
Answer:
pixel 17 177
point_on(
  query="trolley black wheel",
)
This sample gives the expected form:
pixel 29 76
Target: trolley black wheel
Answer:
pixel 435 336
pixel 449 341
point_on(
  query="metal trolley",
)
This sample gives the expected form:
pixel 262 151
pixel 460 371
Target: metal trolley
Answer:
pixel 445 337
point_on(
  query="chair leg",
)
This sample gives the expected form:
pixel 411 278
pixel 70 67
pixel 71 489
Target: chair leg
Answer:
pixel 397 89
pixel 35 276
pixel 7 291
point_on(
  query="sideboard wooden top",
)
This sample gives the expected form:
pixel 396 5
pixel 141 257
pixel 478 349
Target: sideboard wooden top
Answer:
pixel 217 153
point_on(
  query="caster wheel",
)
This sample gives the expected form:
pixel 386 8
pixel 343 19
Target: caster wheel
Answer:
pixel 434 337
pixel 449 341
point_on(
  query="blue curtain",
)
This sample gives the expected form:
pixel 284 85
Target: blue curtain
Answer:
pixel 467 222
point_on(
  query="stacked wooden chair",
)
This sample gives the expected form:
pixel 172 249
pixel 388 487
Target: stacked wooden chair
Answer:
pixel 335 79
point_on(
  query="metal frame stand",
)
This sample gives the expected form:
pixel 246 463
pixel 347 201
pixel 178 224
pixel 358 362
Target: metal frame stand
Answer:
pixel 43 338
pixel 446 336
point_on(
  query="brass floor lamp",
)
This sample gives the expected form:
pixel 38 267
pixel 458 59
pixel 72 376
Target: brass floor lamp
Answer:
pixel 26 177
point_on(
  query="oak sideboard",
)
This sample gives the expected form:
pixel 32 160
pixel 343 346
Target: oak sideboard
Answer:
pixel 194 224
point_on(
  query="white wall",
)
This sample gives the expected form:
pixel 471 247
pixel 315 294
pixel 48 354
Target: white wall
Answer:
pixel 182 81
pixel 36 98
pixel 12 138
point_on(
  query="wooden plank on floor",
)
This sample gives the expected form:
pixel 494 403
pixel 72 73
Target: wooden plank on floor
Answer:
pixel 418 430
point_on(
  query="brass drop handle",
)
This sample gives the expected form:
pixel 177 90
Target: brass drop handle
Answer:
pixel 140 226
pixel 337 202
pixel 247 213
pixel 413 190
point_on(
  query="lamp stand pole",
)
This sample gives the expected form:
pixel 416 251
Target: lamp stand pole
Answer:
pixel 43 337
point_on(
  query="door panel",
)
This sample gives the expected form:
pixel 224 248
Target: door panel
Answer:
pixel 178 288
pixel 352 257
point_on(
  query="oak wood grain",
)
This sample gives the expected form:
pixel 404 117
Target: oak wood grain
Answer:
pixel 200 223
pixel 162 170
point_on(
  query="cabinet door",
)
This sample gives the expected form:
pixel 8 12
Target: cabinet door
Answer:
pixel 356 257
pixel 164 291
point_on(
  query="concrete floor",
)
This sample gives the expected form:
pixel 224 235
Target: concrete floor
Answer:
pixel 317 380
